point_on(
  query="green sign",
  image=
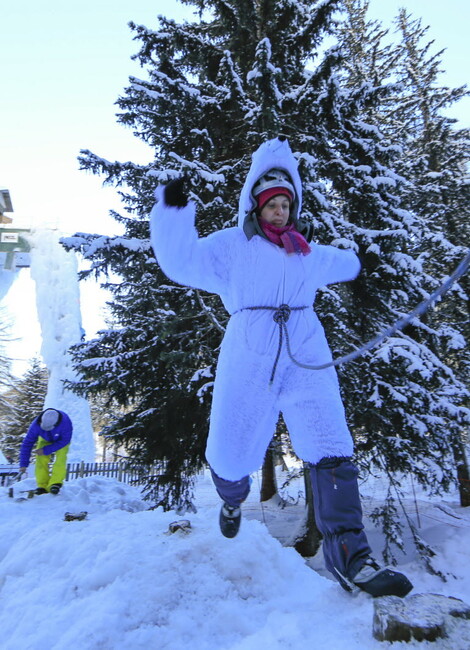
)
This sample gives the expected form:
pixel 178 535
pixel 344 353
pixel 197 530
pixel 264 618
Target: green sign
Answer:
pixel 13 239
pixel 14 248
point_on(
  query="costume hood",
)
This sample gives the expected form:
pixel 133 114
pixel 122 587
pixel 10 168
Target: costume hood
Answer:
pixel 273 154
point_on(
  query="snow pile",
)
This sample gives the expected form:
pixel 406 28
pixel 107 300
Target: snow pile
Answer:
pixel 119 579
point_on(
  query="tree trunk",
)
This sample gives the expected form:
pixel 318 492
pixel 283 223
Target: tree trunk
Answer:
pixel 463 475
pixel 309 542
pixel 268 476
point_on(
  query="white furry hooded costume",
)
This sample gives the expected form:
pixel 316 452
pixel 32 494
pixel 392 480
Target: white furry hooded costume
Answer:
pixel 247 270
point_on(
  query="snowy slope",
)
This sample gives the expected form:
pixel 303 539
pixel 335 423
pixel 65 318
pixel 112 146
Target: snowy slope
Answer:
pixel 119 580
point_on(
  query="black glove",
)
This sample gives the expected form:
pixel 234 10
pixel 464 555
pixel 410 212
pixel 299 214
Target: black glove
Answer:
pixel 175 194
pixel 305 228
pixel 369 260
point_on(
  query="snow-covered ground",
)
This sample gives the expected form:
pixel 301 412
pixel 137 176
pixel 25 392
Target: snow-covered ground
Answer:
pixel 119 579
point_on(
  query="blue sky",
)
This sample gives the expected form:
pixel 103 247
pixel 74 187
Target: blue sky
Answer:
pixel 64 63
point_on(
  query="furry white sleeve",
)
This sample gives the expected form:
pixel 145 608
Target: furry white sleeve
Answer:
pixel 185 258
pixel 336 264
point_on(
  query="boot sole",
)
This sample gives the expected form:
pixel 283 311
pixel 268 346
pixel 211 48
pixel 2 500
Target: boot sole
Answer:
pixel 387 583
pixel 229 526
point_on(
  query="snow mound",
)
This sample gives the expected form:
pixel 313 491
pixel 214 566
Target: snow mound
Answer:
pixel 119 579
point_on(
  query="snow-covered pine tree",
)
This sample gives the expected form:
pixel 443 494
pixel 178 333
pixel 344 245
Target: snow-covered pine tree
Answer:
pixel 216 88
pixel 412 408
pixel 6 381
pixel 368 60
pixel 440 191
pixel 435 160
pixel 26 400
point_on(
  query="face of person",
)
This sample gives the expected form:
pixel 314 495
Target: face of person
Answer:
pixel 276 211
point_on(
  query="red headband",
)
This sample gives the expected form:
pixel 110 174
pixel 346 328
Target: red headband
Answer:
pixel 264 196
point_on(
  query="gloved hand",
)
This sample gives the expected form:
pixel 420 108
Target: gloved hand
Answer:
pixel 174 193
pixel 369 259
pixel 305 228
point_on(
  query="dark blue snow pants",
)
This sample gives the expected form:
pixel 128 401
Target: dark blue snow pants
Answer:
pixel 232 492
pixel 338 511
pixel 338 515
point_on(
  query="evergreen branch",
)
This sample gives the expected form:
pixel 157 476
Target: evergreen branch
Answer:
pixel 209 313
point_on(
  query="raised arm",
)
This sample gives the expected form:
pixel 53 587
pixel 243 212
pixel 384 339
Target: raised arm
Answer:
pixel 185 258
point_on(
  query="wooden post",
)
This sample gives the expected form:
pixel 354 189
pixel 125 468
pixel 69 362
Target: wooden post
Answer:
pixel 268 476
pixel 463 474
pixel 309 542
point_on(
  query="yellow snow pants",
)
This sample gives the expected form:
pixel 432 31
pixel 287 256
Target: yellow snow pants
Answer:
pixel 45 479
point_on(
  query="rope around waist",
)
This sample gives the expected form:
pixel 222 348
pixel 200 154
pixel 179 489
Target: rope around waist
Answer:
pixel 281 316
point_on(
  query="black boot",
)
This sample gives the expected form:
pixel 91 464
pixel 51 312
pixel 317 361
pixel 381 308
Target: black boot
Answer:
pixel 55 488
pixel 40 491
pixel 229 520
pixel 378 581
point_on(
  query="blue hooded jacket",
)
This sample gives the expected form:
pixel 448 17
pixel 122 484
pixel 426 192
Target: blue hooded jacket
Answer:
pixel 58 437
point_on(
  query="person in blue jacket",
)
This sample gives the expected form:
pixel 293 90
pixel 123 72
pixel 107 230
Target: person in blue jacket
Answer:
pixel 51 433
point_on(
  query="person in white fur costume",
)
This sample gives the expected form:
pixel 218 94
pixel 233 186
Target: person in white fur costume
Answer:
pixel 267 272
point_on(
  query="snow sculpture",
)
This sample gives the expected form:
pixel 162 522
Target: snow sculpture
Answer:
pixel 54 271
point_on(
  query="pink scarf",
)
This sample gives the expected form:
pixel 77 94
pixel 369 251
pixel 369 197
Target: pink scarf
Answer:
pixel 286 237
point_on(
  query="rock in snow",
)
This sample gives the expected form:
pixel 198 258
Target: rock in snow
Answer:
pixel 424 617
